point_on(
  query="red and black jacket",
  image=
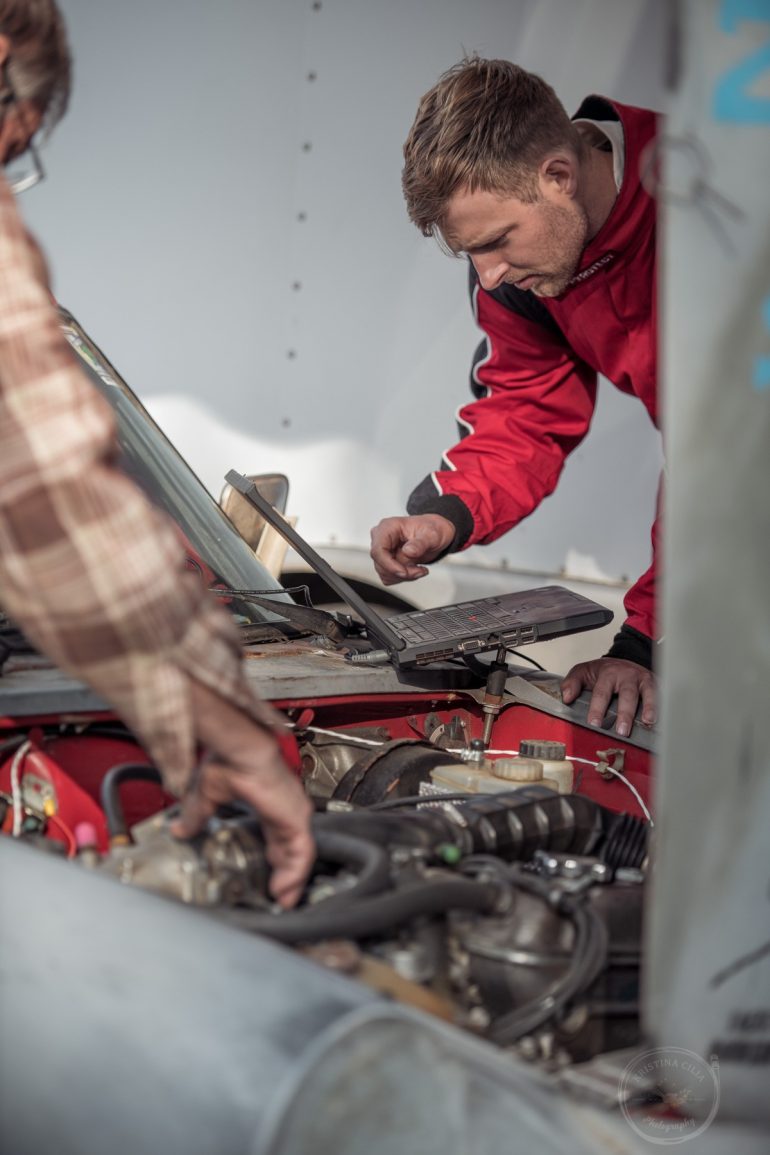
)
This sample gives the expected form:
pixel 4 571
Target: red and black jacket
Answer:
pixel 534 376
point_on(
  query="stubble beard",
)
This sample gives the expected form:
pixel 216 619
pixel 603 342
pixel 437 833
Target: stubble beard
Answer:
pixel 566 235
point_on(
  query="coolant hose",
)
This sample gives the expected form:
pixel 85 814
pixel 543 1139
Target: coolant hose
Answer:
pixel 375 915
pixel 368 859
pixel 110 796
pixel 588 960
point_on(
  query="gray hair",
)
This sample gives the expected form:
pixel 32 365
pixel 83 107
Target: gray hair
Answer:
pixel 40 65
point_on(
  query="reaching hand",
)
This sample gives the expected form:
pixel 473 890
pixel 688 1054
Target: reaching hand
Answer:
pixel 245 764
pixel 401 545
pixel 607 677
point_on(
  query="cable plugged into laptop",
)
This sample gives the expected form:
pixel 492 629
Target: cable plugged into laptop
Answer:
pixel 369 658
pixel 493 693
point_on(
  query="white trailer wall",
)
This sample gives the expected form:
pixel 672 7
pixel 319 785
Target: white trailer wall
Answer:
pixel 223 213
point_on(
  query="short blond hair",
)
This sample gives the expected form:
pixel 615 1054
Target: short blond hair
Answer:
pixel 40 65
pixel 486 125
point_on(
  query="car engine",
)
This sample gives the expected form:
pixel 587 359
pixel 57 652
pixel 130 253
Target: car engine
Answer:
pixel 515 913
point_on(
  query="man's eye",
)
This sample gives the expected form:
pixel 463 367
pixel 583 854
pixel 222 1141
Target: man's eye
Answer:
pixel 490 246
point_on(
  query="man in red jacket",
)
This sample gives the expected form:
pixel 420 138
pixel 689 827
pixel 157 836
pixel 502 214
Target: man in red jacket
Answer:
pixel 560 234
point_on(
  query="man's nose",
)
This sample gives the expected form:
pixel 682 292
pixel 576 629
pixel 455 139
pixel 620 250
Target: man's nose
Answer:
pixel 492 270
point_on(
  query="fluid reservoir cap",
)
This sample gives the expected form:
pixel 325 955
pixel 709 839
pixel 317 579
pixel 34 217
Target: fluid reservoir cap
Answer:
pixel 517 769
pixel 542 748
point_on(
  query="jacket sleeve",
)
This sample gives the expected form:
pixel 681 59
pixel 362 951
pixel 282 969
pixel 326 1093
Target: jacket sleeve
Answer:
pixel 640 625
pixel 534 404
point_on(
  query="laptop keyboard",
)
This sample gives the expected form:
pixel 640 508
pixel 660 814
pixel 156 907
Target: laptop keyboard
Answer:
pixel 469 618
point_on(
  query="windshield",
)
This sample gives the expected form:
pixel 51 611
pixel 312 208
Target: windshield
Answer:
pixel 214 546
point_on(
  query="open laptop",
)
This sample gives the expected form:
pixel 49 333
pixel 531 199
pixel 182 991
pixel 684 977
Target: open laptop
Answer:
pixel 472 627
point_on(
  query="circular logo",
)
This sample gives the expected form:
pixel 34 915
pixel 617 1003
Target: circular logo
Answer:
pixel 669 1095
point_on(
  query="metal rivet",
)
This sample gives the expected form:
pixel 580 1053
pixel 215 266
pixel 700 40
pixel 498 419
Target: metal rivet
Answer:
pixel 307 145
pixel 291 354
pixel 311 76
pixel 285 422
pixel 296 286
pixel 301 216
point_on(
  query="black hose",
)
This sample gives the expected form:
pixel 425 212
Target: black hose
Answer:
pixel 368 858
pixel 588 960
pixel 423 831
pixel 378 914
pixel 431 799
pixel 110 796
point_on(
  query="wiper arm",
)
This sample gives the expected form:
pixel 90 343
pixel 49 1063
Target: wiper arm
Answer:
pixel 307 619
pixel 303 617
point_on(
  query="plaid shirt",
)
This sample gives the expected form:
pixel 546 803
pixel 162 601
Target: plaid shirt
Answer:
pixel 91 572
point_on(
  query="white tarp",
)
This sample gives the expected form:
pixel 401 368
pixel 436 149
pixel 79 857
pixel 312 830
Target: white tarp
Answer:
pixel 709 958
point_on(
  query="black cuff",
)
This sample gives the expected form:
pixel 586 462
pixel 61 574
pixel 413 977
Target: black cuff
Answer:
pixel 632 646
pixel 424 499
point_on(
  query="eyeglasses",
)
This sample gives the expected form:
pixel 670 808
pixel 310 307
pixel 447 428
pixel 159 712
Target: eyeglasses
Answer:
pixel 24 171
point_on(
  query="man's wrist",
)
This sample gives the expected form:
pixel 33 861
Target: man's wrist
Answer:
pixel 424 500
pixel 631 645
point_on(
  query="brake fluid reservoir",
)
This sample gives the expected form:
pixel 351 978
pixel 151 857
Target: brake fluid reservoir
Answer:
pixel 521 772
pixel 472 780
pixel 551 754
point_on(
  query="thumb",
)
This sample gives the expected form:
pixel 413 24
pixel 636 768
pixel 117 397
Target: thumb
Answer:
pixel 194 812
pixel 415 547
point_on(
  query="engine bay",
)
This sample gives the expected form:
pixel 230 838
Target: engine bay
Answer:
pixel 500 889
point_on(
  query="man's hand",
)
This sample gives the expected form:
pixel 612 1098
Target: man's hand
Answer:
pixel 245 764
pixel 401 545
pixel 606 677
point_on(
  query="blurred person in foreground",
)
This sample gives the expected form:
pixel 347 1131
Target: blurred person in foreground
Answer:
pixel 92 573
pixel 559 233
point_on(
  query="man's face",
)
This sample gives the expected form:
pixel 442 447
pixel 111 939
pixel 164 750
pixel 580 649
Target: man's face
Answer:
pixel 533 246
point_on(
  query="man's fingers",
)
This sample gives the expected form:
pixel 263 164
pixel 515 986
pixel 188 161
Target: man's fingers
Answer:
pixel 290 867
pixel 628 700
pixel 649 715
pixel 402 545
pixel 283 808
pixel 600 700
pixel 387 539
pixel 399 573
pixel 608 677
pixel 572 685
pixel 195 812
pixel 421 545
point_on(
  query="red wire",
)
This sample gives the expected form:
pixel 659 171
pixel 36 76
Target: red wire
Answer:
pixel 69 837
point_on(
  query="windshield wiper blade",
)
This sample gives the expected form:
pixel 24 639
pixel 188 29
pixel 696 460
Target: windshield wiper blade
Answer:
pixel 303 617
pixel 307 619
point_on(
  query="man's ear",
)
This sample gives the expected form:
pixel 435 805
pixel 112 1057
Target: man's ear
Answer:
pixel 558 175
pixel 5 49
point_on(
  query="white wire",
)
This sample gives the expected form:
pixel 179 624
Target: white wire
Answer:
pixel 632 788
pixel 509 753
pixel 611 770
pixel 16 795
pixel 340 734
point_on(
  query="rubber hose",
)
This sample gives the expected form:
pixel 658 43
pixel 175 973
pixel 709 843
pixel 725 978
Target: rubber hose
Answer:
pixel 589 957
pixel 375 915
pixel 369 859
pixel 387 830
pixel 110 796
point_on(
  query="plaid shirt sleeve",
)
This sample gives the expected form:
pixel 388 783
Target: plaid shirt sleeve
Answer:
pixel 91 572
